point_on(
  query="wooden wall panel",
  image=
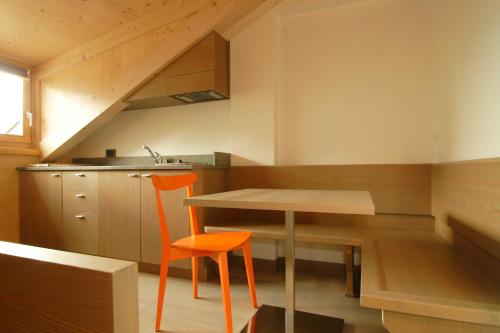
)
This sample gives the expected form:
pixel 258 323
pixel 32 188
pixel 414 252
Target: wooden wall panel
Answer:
pixel 39 36
pixel 401 193
pixel 395 189
pixel 468 195
pixel 9 194
pixel 466 205
pixel 83 92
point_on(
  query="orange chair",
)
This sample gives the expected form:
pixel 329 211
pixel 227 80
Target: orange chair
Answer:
pixel 215 246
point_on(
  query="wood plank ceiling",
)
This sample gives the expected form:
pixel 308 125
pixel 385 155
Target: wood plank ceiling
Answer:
pixel 32 32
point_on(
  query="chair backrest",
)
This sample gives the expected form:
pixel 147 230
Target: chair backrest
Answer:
pixel 169 183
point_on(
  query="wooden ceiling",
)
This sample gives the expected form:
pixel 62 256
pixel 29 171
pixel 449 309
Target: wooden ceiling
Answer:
pixel 32 32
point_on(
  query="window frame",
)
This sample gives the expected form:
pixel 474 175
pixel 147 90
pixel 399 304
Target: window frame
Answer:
pixel 10 140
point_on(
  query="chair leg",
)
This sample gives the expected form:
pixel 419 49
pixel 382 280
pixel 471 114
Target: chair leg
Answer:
pixel 247 255
pixel 226 292
pixel 161 291
pixel 194 264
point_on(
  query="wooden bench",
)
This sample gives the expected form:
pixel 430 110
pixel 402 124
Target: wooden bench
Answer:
pixel 44 290
pixel 421 285
pixel 349 234
pixel 409 273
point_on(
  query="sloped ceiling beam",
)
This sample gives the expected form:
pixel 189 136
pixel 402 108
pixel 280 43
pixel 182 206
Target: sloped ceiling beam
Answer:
pixel 81 90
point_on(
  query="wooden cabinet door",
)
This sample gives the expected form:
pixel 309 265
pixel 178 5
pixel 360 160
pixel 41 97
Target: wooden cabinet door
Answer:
pixel 119 214
pixel 41 208
pixel 80 232
pixel 177 217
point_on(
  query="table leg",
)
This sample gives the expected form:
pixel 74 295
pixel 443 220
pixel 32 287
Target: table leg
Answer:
pixel 290 271
pixel 271 319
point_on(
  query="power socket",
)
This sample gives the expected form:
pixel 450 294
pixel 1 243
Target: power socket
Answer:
pixel 110 153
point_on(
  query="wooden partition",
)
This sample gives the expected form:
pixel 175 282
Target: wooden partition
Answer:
pixel 44 290
pixel 466 205
pixel 396 190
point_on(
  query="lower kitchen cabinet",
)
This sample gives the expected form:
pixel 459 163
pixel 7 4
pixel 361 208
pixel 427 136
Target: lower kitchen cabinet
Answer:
pixel 111 213
pixel 41 209
pixel 80 216
pixel 119 214
pixel 80 232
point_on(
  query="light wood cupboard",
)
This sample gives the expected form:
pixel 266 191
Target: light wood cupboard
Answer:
pixel 80 180
pixel 80 212
pixel 110 213
pixel 81 201
pixel 119 214
pixel 80 232
pixel 41 208
pixel 202 68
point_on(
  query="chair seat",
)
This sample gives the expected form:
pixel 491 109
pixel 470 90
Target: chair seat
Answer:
pixel 216 242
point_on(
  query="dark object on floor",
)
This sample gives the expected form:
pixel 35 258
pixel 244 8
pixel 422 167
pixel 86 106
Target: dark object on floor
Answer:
pixel 271 319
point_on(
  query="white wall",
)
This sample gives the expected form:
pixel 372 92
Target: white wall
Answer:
pixel 367 81
pixel 355 84
pixel 187 129
pixel 467 36
pixel 253 93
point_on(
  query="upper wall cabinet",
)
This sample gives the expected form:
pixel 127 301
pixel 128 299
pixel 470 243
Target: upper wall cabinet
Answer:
pixel 201 74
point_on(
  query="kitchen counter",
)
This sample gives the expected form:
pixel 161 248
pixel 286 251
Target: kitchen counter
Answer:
pixel 173 166
pixel 217 160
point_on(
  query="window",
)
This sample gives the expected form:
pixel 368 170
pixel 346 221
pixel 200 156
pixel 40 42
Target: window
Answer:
pixel 15 113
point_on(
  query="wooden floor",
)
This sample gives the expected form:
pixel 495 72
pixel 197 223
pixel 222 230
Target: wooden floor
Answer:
pixel 315 293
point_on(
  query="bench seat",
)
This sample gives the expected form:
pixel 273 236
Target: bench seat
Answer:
pixel 422 276
pixel 337 234
pixel 413 276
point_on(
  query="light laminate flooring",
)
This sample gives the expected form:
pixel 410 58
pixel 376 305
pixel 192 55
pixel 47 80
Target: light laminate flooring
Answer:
pixel 315 293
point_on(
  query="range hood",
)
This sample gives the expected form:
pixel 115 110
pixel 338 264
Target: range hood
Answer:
pixel 201 74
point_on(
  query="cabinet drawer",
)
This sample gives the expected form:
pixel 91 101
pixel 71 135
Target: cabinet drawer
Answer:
pixel 80 201
pixel 80 232
pixel 80 180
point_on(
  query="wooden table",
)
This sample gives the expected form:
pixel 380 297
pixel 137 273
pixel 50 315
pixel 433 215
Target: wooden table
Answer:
pixel 290 201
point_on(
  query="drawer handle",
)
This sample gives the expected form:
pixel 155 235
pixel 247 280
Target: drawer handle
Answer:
pixel 80 174
pixel 80 196
pixel 55 175
pixel 80 217
pixel 133 175
pixel 147 175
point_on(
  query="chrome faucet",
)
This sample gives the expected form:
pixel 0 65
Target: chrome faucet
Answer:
pixel 154 154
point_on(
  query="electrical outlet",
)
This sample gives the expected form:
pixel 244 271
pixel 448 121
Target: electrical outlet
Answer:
pixel 110 152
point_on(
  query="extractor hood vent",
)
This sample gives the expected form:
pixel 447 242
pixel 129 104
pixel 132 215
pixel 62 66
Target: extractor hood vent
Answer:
pixel 201 74
pixel 200 96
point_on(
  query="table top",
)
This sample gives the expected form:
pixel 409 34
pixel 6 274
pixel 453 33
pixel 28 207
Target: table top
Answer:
pixel 319 201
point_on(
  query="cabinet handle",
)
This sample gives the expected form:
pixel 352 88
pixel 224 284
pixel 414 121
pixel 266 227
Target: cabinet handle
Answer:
pixel 80 196
pixel 80 174
pixel 133 175
pixel 80 217
pixel 55 175
pixel 147 175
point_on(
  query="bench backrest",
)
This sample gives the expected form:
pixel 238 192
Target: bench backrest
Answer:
pixel 466 205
